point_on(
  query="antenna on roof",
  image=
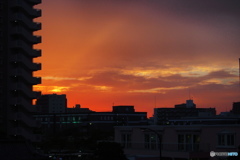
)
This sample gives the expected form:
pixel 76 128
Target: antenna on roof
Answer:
pixel 189 94
pixel 155 101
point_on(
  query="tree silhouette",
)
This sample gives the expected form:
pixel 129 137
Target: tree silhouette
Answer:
pixel 109 151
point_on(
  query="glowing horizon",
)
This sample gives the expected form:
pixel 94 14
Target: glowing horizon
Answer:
pixel 129 52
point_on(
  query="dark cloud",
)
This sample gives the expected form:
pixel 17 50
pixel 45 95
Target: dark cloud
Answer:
pixel 220 74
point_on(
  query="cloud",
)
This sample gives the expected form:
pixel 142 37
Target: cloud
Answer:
pixel 65 78
pixel 51 89
pixel 128 50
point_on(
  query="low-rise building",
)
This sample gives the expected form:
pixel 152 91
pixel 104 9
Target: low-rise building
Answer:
pixel 84 121
pixel 163 115
pixel 180 140
pixel 52 103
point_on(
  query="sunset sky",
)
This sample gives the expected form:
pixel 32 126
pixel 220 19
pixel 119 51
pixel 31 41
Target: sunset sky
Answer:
pixel 146 53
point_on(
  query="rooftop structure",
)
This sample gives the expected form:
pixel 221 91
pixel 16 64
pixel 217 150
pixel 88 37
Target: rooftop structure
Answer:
pixel 52 103
pixel 187 139
pixel 163 115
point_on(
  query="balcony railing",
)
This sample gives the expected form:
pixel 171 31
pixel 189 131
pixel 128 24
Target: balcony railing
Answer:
pixel 22 132
pixel 21 73
pixel 21 18
pixel 27 7
pixel 35 1
pixel 21 59
pixel 21 31
pixel 21 88
pixel 23 104
pixel 28 50
pixel 19 116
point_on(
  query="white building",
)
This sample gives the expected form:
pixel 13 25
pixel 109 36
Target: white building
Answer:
pixel 179 141
pixel 52 103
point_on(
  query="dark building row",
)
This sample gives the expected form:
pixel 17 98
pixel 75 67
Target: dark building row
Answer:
pixel 188 110
pixel 83 119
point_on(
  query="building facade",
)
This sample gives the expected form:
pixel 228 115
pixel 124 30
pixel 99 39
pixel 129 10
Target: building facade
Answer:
pixel 52 103
pixel 163 115
pixel 17 67
pixel 179 141
pixel 86 120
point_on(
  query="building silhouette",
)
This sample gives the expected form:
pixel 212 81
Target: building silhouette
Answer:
pixel 189 104
pixel 164 115
pixel 17 67
pixel 78 109
pixel 86 120
pixel 236 108
pixel 52 103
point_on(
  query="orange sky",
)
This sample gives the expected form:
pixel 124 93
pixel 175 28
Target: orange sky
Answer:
pixel 141 53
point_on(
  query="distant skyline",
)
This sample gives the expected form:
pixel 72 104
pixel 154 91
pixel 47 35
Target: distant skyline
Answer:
pixel 146 53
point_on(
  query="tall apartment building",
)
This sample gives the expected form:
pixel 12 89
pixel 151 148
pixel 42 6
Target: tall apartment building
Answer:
pixel 17 67
pixel 52 103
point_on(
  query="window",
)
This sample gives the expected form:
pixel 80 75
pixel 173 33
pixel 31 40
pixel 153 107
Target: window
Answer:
pixel 188 142
pixel 151 141
pixel 126 140
pixel 226 139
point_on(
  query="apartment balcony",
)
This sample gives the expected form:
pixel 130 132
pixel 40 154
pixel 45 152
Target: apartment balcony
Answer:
pixel 27 7
pixel 35 2
pixel 26 76
pixel 28 22
pixel 23 105
pixel 21 31
pixel 22 132
pixel 22 89
pixel 21 45
pixel 22 60
pixel 23 118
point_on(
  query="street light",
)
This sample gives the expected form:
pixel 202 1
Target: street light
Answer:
pixel 159 140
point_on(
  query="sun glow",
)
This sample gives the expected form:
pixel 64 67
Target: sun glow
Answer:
pixel 51 89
